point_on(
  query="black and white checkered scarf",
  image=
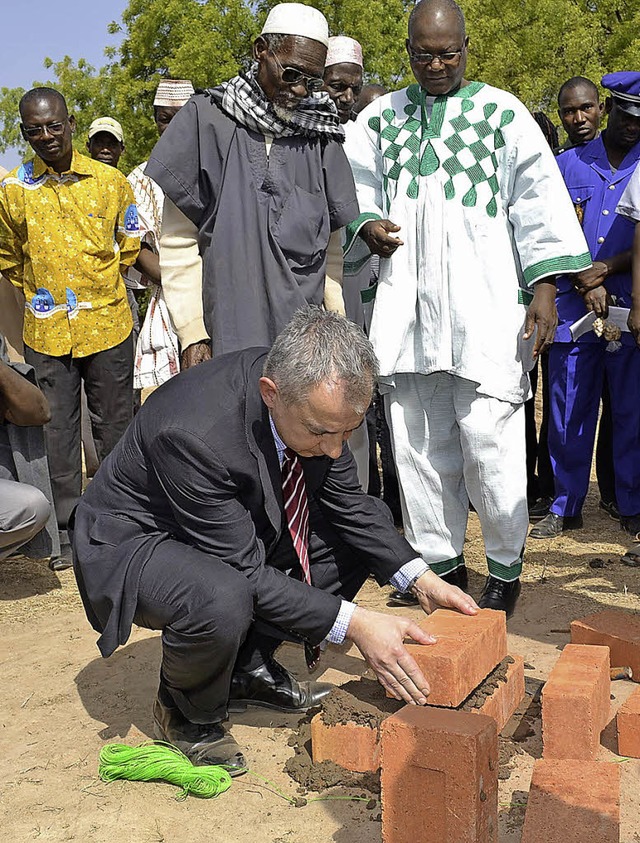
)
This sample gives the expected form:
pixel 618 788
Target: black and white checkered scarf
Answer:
pixel 243 99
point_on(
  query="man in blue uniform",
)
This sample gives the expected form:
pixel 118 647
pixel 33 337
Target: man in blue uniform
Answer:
pixel 596 174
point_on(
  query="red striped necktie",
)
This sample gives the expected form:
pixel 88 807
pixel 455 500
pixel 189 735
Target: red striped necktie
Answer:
pixel 296 510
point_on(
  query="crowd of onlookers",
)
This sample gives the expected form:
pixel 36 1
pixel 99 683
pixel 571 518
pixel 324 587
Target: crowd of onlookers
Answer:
pixel 280 216
pixel 83 246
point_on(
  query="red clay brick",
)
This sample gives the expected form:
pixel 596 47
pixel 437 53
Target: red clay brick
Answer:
pixel 507 696
pixel 628 725
pixel 575 703
pixel 439 777
pixel 573 802
pixel 467 650
pixel 351 745
pixel 619 631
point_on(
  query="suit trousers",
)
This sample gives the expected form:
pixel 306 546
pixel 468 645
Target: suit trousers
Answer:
pixel 108 381
pixel 204 608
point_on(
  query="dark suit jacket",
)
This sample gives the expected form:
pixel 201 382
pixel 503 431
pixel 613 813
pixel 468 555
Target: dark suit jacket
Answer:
pixel 199 464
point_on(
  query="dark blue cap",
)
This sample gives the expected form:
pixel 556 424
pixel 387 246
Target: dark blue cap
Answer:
pixel 625 89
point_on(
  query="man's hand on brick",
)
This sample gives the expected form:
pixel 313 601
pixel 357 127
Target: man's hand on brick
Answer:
pixel 433 592
pixel 380 639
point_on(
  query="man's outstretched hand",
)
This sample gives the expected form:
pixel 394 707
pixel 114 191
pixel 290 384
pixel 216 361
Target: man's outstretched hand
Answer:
pixel 433 593
pixel 380 638
pixel 377 234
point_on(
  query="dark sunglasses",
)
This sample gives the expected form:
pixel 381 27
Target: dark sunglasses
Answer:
pixel 293 76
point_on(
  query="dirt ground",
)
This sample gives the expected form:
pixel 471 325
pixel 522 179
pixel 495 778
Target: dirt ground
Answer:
pixel 60 702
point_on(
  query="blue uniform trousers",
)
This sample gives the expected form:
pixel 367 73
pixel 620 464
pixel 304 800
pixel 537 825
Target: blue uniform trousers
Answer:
pixel 576 374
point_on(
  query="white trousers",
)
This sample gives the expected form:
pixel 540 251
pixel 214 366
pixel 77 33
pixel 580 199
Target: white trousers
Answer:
pixel 452 445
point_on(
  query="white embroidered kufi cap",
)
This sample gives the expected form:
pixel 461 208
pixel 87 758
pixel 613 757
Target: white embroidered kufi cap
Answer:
pixel 297 19
pixel 173 92
pixel 343 49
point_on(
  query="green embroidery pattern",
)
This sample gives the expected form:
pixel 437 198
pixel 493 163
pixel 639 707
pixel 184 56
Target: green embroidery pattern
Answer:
pixel 473 153
pixel 472 145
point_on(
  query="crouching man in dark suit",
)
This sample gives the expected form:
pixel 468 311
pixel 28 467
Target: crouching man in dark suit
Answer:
pixel 230 517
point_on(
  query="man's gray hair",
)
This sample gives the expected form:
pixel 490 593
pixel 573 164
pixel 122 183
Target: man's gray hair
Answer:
pixel 319 346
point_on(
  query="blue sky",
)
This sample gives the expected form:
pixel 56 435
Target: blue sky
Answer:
pixel 34 30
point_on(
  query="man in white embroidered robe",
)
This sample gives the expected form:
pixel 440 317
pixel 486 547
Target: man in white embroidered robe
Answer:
pixel 461 197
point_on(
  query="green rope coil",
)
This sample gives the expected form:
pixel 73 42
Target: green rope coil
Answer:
pixel 154 761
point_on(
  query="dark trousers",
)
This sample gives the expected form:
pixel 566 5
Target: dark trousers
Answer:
pixel 576 375
pixel 539 471
pixel 605 473
pixel 379 435
pixel 108 382
pixel 540 482
pixel 205 610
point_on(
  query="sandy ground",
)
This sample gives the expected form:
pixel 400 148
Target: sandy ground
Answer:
pixel 60 702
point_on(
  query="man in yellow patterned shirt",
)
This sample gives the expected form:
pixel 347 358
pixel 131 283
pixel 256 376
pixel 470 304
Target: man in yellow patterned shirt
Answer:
pixel 68 231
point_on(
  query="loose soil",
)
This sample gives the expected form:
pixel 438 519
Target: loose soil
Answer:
pixel 60 703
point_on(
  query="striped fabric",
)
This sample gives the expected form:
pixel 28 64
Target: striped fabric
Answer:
pixel 296 508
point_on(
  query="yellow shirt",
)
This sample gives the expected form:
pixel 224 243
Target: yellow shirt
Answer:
pixel 65 240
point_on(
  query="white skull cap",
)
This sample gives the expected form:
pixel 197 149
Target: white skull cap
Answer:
pixel 173 92
pixel 343 49
pixel 297 19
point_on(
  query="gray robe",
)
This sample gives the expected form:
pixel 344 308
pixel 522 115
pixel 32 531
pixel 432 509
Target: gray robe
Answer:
pixel 264 223
pixel 23 458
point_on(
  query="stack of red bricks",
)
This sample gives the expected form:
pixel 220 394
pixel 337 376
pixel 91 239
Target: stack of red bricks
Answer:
pixel 439 765
pixel 620 632
pixel 573 796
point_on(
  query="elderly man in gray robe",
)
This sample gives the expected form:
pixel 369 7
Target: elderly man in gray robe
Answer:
pixel 256 182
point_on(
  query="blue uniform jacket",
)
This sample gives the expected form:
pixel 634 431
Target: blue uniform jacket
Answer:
pixel 595 191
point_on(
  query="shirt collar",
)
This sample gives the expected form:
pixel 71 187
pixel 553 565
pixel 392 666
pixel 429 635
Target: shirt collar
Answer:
pixel 79 164
pixel 280 446
pixel 596 152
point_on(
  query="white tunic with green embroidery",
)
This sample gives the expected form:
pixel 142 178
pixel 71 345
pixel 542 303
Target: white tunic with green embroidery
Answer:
pixel 484 214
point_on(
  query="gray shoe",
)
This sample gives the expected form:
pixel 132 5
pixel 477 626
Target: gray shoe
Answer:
pixel 554 525
pixel 203 743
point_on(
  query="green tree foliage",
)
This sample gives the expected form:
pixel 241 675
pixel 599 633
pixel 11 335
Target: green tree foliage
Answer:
pixel 526 46
pixel 530 47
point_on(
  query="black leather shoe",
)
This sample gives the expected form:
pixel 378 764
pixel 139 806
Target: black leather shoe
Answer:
pixel 554 525
pixel 500 595
pixel 271 686
pixel 631 525
pixel 459 577
pixel 203 744
pixel 64 561
pixel 403 598
pixel 611 508
pixel 540 509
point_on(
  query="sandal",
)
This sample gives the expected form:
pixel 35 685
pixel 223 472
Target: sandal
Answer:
pixel 632 557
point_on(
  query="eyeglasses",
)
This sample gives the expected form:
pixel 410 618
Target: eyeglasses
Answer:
pixel 35 132
pixel 450 57
pixel 293 76
pixel 342 87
